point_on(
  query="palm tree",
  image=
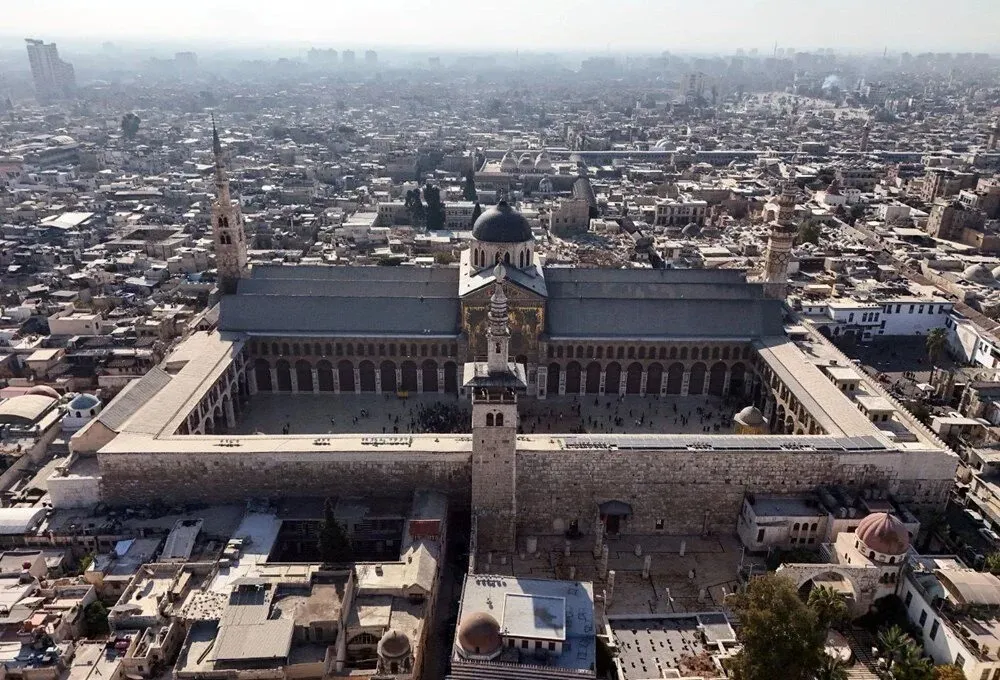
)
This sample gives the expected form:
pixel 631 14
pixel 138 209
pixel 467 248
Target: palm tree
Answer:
pixel 829 605
pixel 912 665
pixel 892 642
pixel 831 668
pixel 937 339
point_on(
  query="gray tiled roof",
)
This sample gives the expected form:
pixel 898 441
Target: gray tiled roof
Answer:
pixel 674 303
pixel 134 396
pixel 651 318
pixel 345 300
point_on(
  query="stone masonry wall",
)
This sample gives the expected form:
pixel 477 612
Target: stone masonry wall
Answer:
pixel 689 490
pixel 232 477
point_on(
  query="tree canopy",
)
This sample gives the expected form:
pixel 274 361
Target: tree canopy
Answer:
pixel 130 125
pixel 435 208
pixel 469 192
pixel 782 637
pixel 334 544
pixel 936 341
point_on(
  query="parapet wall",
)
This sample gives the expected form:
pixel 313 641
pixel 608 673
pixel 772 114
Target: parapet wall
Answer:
pixel 690 491
pixel 138 478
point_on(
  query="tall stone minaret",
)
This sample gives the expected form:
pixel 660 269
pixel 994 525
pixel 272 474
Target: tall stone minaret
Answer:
pixel 494 433
pixel 498 331
pixel 227 227
pixel 866 131
pixel 779 246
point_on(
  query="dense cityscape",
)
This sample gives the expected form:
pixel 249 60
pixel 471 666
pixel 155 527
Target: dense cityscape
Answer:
pixel 411 363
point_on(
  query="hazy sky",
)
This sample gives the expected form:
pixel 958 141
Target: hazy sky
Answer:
pixel 537 25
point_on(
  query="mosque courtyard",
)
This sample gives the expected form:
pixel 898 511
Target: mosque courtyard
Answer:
pixel 276 413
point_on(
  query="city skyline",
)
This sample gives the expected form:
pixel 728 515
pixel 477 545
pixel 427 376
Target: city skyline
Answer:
pixel 644 26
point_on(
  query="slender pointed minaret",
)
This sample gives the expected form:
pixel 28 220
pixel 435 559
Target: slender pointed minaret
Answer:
pixel 494 431
pixel 991 143
pixel 866 131
pixel 779 245
pixel 227 227
pixel 498 331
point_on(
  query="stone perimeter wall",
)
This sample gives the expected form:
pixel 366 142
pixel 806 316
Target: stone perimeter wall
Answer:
pixel 553 487
pixel 688 490
pixel 138 478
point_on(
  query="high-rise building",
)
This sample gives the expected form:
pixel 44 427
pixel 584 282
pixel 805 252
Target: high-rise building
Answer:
pixel 371 57
pixel 347 56
pixel 322 57
pixel 54 78
pixel 187 61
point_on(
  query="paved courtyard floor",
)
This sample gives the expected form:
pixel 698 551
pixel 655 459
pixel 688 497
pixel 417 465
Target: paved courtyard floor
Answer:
pixel 270 413
pixel 696 581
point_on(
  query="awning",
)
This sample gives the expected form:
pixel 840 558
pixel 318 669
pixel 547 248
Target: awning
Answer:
pixel 615 509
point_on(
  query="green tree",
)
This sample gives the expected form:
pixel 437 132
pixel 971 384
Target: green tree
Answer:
pixel 444 257
pixel 334 545
pixel 993 563
pixel 949 672
pixel 912 665
pixel 476 212
pixel 936 341
pixel 781 635
pixel 831 668
pixel 469 192
pixel 809 232
pixel 95 619
pixel 414 207
pixel 829 605
pixel 130 125
pixel 435 208
pixel 892 642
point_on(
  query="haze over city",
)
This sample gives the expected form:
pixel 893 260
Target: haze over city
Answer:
pixel 480 341
pixel 583 25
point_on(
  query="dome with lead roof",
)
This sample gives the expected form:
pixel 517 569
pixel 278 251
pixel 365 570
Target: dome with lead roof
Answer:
pixel 501 224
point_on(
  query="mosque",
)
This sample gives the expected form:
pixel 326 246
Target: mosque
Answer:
pixel 504 330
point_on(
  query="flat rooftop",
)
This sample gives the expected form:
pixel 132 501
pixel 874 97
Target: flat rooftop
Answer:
pixel 538 608
pixel 649 646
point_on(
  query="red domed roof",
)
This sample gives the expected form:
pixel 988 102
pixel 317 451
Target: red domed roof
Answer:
pixel 479 634
pixel 884 534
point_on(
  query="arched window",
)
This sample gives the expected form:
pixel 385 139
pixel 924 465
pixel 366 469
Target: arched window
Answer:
pixel 814 527
pixel 224 239
pixel 600 352
pixel 489 420
pixel 559 352
pixel 499 420
pixel 506 258
pixel 684 352
pixel 497 348
pixel 264 348
pixel 284 348
pixel 642 352
pixel 795 527
pixel 520 260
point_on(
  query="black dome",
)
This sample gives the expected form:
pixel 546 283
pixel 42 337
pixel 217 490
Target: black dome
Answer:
pixel 501 224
